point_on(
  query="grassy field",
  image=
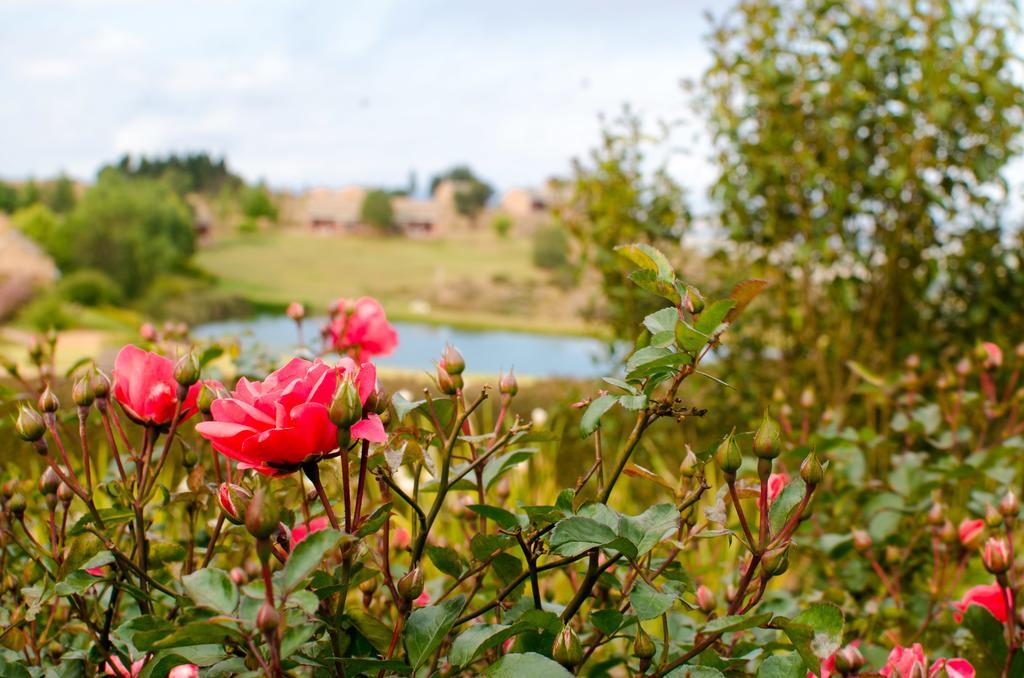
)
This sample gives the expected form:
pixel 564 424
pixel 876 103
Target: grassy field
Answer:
pixel 474 280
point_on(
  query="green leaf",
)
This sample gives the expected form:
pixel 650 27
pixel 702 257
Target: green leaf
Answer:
pixel 648 602
pixel 662 321
pixel 607 621
pixel 496 468
pixel 573 536
pixel 650 527
pixel 371 628
pixel 526 664
pixel 987 651
pixel 447 560
pixel 815 633
pixel 505 519
pixel 479 638
pixel 592 416
pixel 375 521
pixel 634 403
pixel 784 504
pixel 112 517
pixel 782 666
pixel 647 258
pixel 650 281
pixel 646 355
pixel 427 627
pixel 736 623
pixel 713 316
pixel 666 363
pixel 161 665
pixel 689 338
pixel 213 589
pixel 403 406
pixel 307 556
pixel 76 582
pixel 744 293
pixel 198 633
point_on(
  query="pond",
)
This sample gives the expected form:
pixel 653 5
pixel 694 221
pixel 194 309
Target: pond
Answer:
pixel 421 344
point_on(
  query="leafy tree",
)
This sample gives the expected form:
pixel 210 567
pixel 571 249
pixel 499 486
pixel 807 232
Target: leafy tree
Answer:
pixel 186 173
pixel 29 194
pixel 8 197
pixel 131 229
pixel 61 196
pixel 502 225
pixel 850 139
pixel 471 193
pixel 258 203
pixel 616 200
pixel 376 210
pixel 39 223
pixel 550 248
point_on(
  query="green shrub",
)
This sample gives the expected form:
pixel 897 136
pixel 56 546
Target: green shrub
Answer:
pixel 502 225
pixel 47 311
pixel 192 300
pixel 90 287
pixel 550 248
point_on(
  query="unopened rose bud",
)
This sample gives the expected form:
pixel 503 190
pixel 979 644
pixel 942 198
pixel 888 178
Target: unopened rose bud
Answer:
pixel 262 515
pixel 948 533
pixel 913 361
pixel 643 645
pixel 48 401
pixel 234 500
pixel 36 350
pixel 693 301
pixel 566 649
pixel 238 576
pixel 186 370
pixel 452 361
pixel 936 514
pixel 688 467
pixel 49 481
pixel 29 426
pixel 17 505
pixel 989 355
pixel 100 385
pixel 971 532
pixel 268 618
pixel 963 367
pixel 807 398
pixel 295 311
pixel 446 382
pixel 705 599
pixel 368 585
pixel 849 660
pixel 993 518
pixel 996 555
pixel 728 455
pixel 775 562
pixel 345 409
pixel 507 384
pixel 377 402
pixel 410 585
pixel 811 470
pixel 65 494
pixel 82 394
pixel 1009 506
pixel 189 459
pixel 766 439
pixel 148 332
pixel 204 400
pixel 861 540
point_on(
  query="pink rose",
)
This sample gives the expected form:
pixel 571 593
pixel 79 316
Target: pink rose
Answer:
pixel 361 329
pixel 971 532
pixel 776 483
pixel 116 667
pixel 184 671
pixel 300 532
pixel 276 425
pixel 144 385
pixel 989 596
pixel 423 599
pixel 955 668
pixel 992 355
pixel 904 661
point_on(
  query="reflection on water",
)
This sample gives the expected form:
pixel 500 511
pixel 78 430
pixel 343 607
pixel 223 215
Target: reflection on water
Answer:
pixel 419 345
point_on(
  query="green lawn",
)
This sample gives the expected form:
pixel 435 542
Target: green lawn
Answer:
pixel 471 280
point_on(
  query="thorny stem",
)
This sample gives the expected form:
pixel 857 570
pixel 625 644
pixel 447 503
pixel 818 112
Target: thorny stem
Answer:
pixel 312 471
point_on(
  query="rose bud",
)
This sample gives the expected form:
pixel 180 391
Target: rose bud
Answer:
pixel 861 540
pixel 238 575
pixel 234 501
pixel 811 470
pixel 507 385
pixel 705 599
pixel 1009 506
pixel 268 618
pixel 993 518
pixel 100 385
pixel 996 555
pixel 452 360
pixel 377 401
pixel 204 401
pixel 345 409
pixel 48 401
pixel 971 532
pixel 148 332
pixel 688 467
pixel 29 425
pixel 186 372
pixel 368 585
pixel 65 494
pixel 728 455
pixel 566 649
pixel 913 361
pixel 49 481
pixel 775 562
pixel 295 311
pixel 262 515
pixel 947 532
pixel 643 646
pixel 410 586
pixel 82 393
pixel 849 660
pixel 17 505
pixel 36 351
pixel 766 439
pixel 936 514
pixel 446 382
pixel 990 355
pixel 963 367
pixel 184 671
pixel 807 398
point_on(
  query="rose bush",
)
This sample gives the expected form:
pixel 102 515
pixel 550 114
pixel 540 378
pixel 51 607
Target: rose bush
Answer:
pixel 305 524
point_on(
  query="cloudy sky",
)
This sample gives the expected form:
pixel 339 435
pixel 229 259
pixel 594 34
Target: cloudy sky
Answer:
pixel 308 93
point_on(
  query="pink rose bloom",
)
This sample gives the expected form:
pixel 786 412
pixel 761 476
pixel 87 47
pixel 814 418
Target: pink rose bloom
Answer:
pixel 423 599
pixel 184 671
pixel 955 668
pixel 989 596
pixel 400 538
pixel 903 661
pixel 116 667
pixel 144 385
pixel 300 532
pixel 776 483
pixel 361 329
pixel 276 425
pixel 971 532
pixel 993 355
pixel 148 332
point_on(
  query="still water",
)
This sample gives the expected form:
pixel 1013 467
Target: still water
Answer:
pixel 420 344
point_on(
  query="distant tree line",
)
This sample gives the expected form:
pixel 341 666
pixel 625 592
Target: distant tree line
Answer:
pixel 188 173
